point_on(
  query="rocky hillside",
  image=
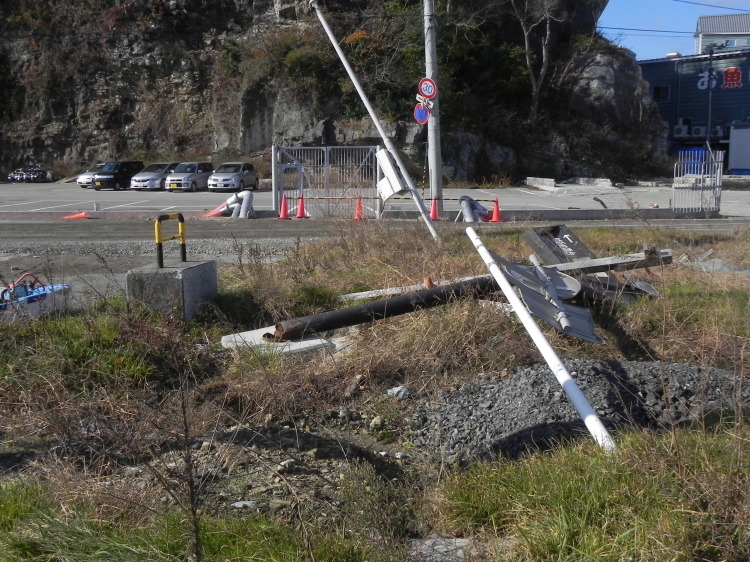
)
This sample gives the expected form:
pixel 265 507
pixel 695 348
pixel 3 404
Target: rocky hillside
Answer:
pixel 84 81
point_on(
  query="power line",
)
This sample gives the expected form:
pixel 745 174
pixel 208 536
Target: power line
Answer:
pixel 649 30
pixel 713 6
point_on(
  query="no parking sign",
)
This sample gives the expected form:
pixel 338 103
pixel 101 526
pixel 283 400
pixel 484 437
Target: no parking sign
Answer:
pixel 421 114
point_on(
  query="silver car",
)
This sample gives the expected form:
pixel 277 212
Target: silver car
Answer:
pixel 233 176
pixel 153 176
pixel 86 179
pixel 189 176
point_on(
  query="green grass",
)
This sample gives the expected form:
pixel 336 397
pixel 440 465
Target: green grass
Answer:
pixel 33 526
pixel 674 496
pixel 110 381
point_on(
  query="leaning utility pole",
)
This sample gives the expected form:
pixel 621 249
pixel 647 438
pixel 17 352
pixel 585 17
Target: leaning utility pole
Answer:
pixel 434 158
pixel 371 111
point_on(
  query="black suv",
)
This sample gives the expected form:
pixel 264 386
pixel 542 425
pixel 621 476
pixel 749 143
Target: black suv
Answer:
pixel 116 174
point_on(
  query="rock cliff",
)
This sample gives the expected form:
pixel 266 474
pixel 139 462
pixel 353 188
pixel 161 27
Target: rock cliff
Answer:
pixel 223 78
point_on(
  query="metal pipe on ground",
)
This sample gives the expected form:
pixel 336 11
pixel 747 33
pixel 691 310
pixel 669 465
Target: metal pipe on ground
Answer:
pixel 297 328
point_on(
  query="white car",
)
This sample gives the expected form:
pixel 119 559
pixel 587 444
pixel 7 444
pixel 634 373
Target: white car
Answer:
pixel 86 179
pixel 189 176
pixel 153 176
pixel 233 176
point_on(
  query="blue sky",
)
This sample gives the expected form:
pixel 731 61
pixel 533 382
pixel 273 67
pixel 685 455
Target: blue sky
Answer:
pixel 672 23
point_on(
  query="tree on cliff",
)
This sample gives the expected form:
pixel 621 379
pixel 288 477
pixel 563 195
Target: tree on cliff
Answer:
pixel 536 18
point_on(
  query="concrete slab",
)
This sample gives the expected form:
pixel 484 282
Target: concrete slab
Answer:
pixel 184 286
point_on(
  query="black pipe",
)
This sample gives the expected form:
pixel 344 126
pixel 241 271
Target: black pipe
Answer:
pixel 385 308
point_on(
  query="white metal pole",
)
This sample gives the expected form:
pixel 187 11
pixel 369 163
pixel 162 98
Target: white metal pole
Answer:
pixel 387 141
pixel 434 156
pixel 579 401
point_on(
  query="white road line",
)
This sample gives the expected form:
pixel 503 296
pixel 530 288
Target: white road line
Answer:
pixel 61 206
pixel 12 205
pixel 125 205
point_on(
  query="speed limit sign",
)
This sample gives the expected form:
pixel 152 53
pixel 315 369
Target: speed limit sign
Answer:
pixel 427 88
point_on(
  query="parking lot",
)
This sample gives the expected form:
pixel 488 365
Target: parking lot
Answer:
pixel 68 198
pixel 566 203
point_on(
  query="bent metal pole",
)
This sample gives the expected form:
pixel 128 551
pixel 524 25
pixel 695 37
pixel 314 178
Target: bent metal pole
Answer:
pixel 579 401
pixel 387 141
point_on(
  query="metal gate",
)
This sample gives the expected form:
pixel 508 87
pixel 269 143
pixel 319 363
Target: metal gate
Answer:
pixel 334 180
pixel 697 181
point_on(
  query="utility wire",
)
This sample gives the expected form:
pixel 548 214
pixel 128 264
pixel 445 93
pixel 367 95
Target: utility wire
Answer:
pixel 713 6
pixel 649 30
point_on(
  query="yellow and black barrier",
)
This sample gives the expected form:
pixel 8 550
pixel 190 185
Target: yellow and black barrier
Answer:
pixel 180 236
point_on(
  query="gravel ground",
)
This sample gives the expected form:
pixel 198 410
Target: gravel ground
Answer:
pixel 490 418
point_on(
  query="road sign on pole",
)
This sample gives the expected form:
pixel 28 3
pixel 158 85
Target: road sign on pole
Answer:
pixel 427 88
pixel 421 114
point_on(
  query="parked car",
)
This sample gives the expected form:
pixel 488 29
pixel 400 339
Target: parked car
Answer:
pixel 30 174
pixel 17 175
pixel 190 176
pixel 153 176
pixel 116 175
pixel 86 179
pixel 233 176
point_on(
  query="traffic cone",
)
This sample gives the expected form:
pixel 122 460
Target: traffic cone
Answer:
pixel 359 214
pixel 284 214
pixel 496 216
pixel 83 215
pixel 301 208
pixel 434 210
pixel 217 212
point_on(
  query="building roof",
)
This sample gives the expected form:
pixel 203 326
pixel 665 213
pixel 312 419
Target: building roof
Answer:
pixel 732 23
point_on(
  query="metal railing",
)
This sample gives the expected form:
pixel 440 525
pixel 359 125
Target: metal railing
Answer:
pixel 698 175
pixel 331 178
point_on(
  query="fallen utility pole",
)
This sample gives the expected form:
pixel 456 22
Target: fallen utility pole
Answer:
pixel 386 140
pixel 579 401
pixel 317 323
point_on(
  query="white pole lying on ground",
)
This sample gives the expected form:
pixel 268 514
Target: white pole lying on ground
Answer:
pixel 387 141
pixel 579 401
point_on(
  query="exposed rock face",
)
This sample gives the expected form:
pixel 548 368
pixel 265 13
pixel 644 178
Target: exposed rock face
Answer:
pixel 150 78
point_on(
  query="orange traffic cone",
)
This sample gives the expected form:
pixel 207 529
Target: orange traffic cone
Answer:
pixel 359 214
pixel 434 216
pixel 301 208
pixel 83 215
pixel 217 212
pixel 284 213
pixel 496 217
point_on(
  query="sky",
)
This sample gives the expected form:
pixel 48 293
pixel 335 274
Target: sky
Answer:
pixel 653 28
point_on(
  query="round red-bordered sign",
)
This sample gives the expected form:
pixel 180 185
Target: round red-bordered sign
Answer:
pixel 427 88
pixel 421 114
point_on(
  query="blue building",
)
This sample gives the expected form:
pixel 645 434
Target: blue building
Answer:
pixel 706 97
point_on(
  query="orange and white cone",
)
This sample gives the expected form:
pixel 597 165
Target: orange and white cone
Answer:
pixel 359 214
pixel 284 213
pixel 301 208
pixel 496 216
pixel 83 215
pixel 434 216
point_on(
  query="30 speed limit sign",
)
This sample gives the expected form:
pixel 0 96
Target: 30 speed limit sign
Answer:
pixel 427 88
